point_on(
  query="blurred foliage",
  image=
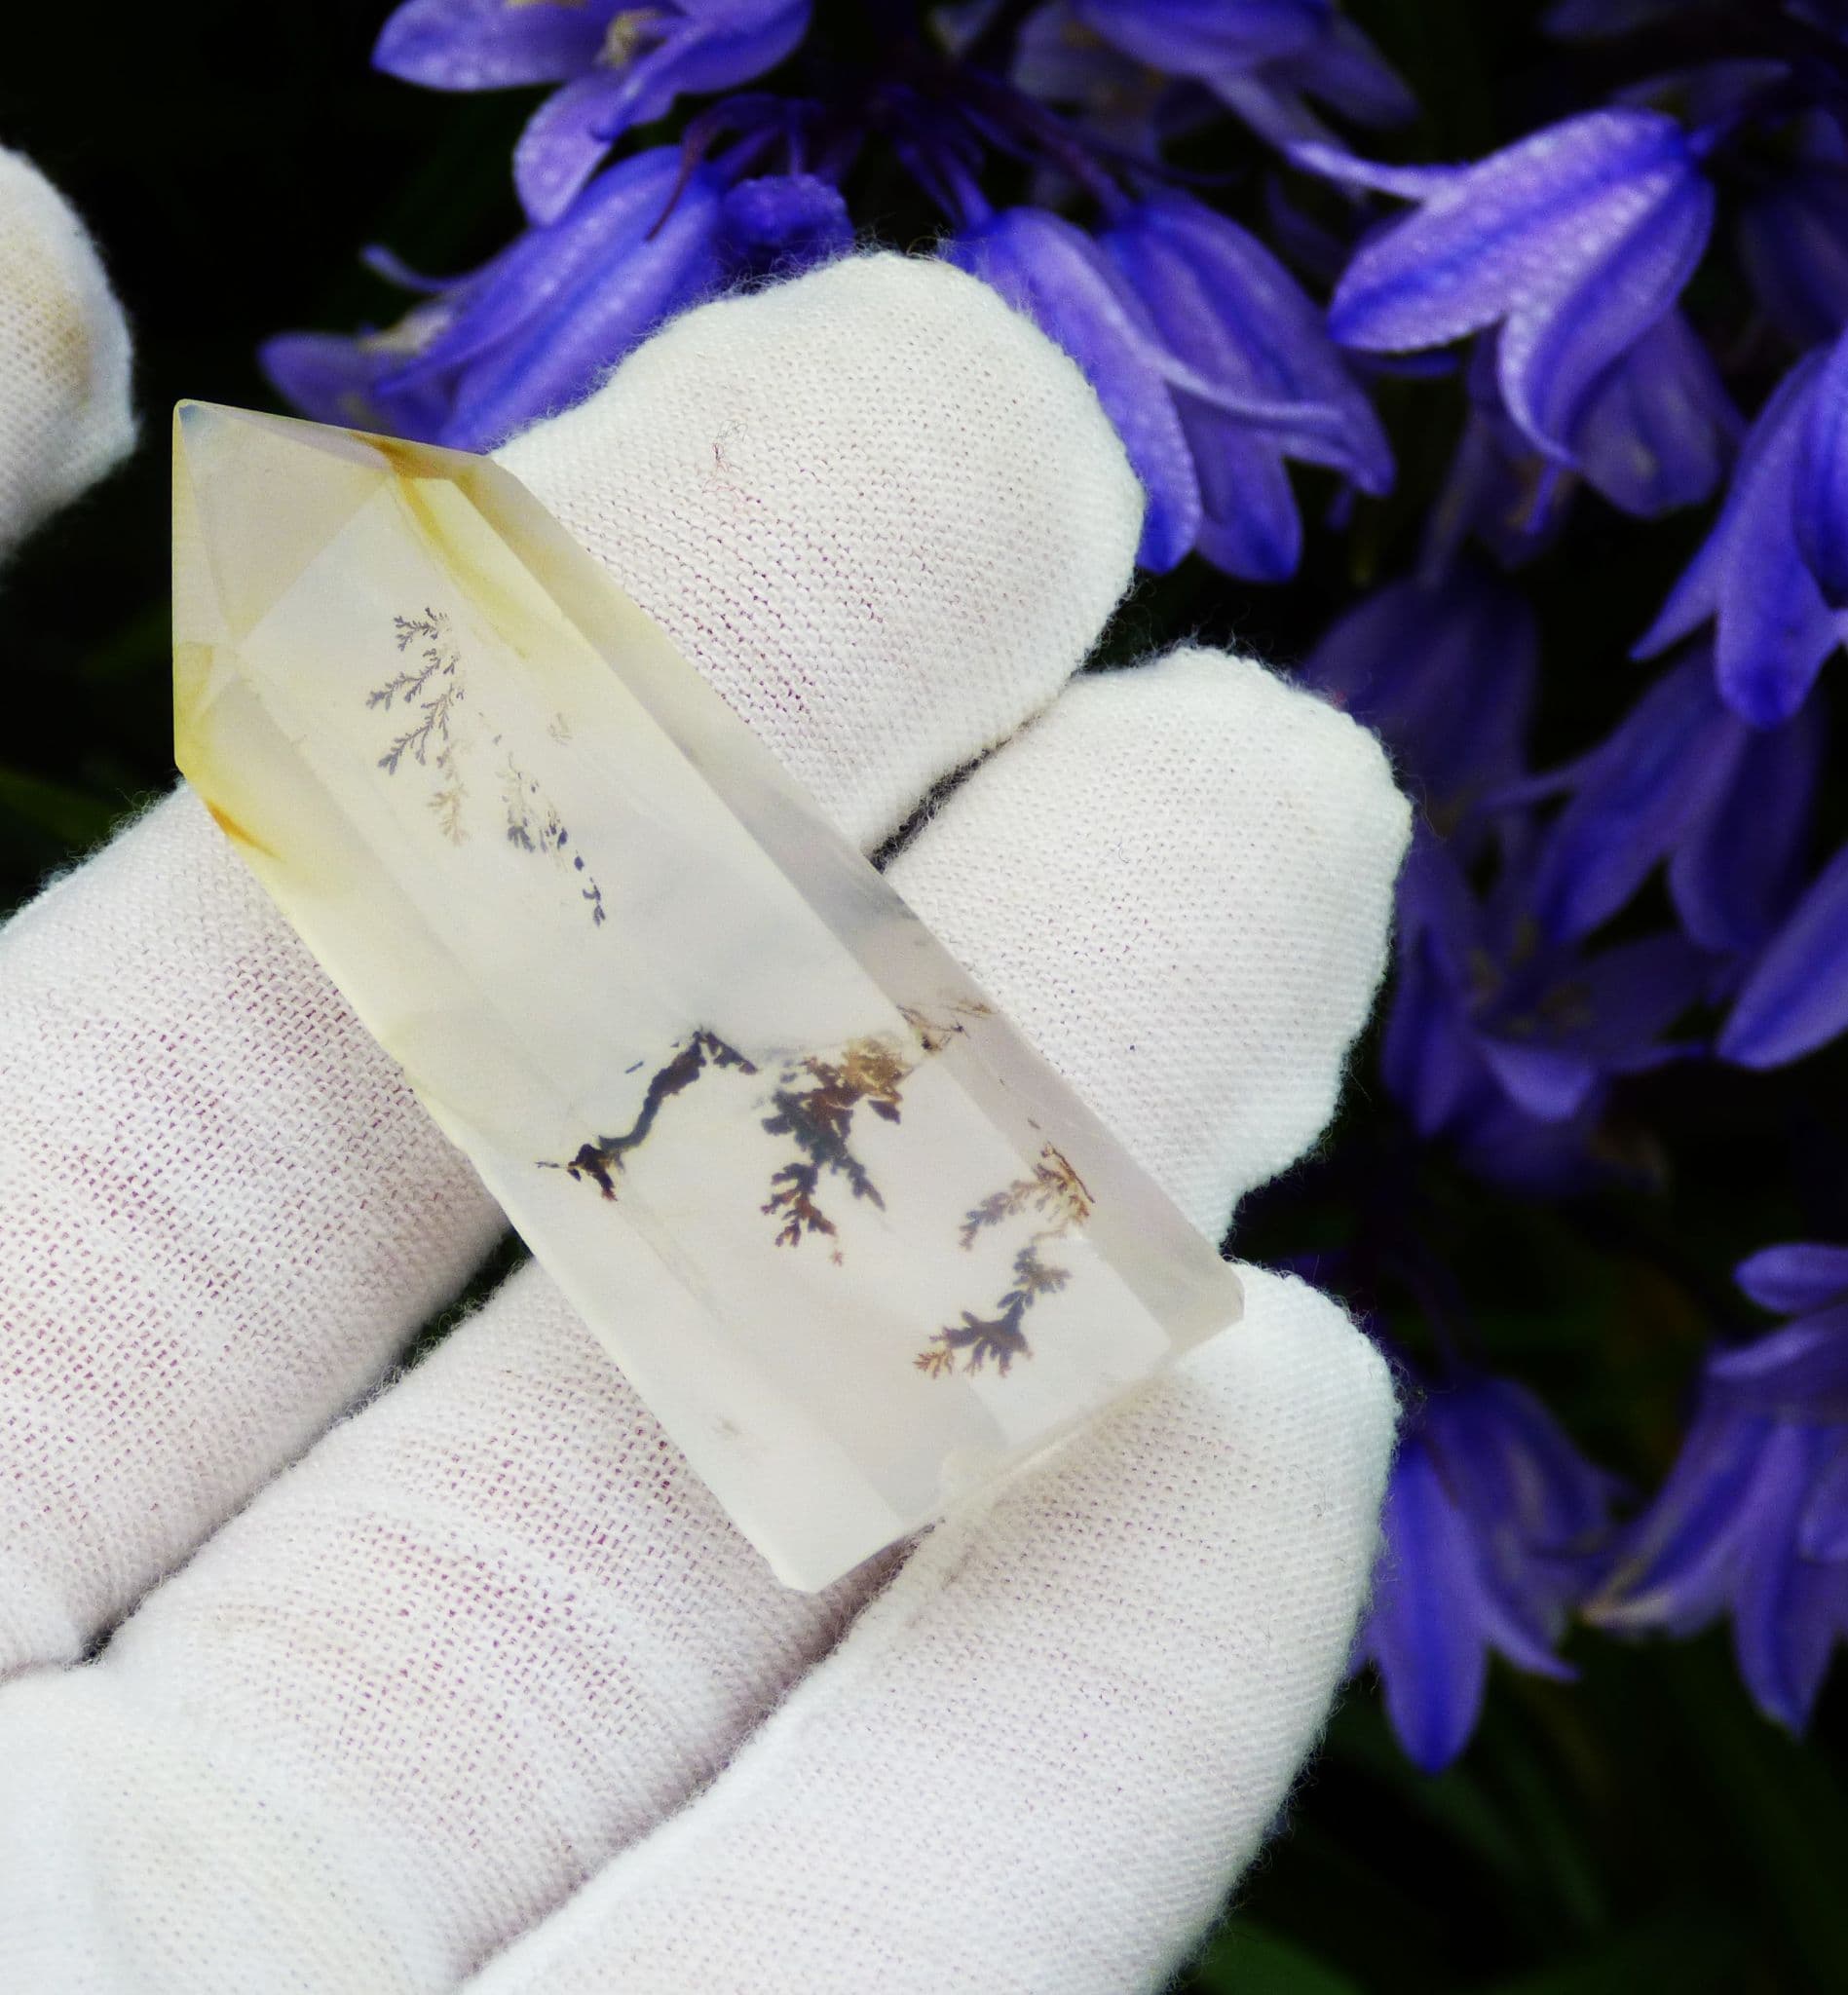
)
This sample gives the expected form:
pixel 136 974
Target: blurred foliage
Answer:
pixel 1644 1826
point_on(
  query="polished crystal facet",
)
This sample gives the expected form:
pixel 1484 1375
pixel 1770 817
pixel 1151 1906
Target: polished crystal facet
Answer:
pixel 852 1239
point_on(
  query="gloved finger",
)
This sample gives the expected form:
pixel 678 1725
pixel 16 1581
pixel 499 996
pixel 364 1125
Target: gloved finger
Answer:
pixel 64 413
pixel 225 1212
pixel 491 1630
pixel 1039 1759
pixel 882 515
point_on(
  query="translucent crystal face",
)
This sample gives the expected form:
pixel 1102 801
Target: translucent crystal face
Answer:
pixel 853 1241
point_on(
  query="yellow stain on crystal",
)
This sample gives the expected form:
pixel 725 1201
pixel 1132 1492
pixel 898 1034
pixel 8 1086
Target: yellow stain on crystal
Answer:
pixel 237 490
pixel 233 831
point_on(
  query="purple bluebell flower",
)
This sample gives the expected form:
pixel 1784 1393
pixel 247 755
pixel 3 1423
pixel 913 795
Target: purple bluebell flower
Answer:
pixel 1634 799
pixel 1656 434
pixel 1159 400
pixel 536 328
pixel 1681 779
pixel 336 377
pixel 782 224
pixel 1737 868
pixel 1575 243
pixel 1659 429
pixel 620 66
pixel 1491 1020
pixel 1494 1523
pixel 1059 60
pixel 1773 627
pixel 1444 670
pixel 1796 998
pixel 1752 1519
pixel 1229 310
pixel 1265 66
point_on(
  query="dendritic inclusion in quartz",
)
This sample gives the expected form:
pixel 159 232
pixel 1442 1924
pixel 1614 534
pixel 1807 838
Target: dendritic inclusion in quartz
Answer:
pixel 852 1240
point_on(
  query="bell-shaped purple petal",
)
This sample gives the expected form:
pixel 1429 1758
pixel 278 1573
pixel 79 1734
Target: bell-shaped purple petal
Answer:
pixel 1431 1060
pixel 1485 1512
pixel 1341 68
pixel 537 330
pixel 1552 1083
pixel 652 56
pixel 492 43
pixel 1249 523
pixel 1738 868
pixel 335 378
pixel 1205 38
pixel 783 224
pixel 1796 1278
pixel 1562 337
pixel 1754 1515
pixel 1421 1636
pixel 1613 1008
pixel 1659 428
pixel 1542 1510
pixel 1675 1568
pixel 1562 1023
pixel 536 280
pixel 1633 800
pixel 1787 1608
pixel 325 375
pixel 1774 629
pixel 1437 907
pixel 1598 217
pixel 1231 311
pixel 1821 478
pixel 1049 269
pixel 1783 1375
pixel 1505 1043
pixel 1445 673
pixel 1797 997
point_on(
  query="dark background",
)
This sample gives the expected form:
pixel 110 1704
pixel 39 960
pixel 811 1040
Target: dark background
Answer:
pixel 1643 1825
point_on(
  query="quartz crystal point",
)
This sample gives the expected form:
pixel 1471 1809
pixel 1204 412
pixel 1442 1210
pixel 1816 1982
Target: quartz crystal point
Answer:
pixel 851 1238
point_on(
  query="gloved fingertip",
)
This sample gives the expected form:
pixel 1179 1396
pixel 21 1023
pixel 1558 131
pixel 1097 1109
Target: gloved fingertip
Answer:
pixel 65 414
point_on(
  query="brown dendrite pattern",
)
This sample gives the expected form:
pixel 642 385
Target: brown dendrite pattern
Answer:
pixel 814 1104
pixel 430 694
pixel 1053 1194
pixel 602 1161
pixel 814 1101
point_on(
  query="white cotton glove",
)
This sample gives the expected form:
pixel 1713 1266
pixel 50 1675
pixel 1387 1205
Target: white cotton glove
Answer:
pixel 477 1687
pixel 64 414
